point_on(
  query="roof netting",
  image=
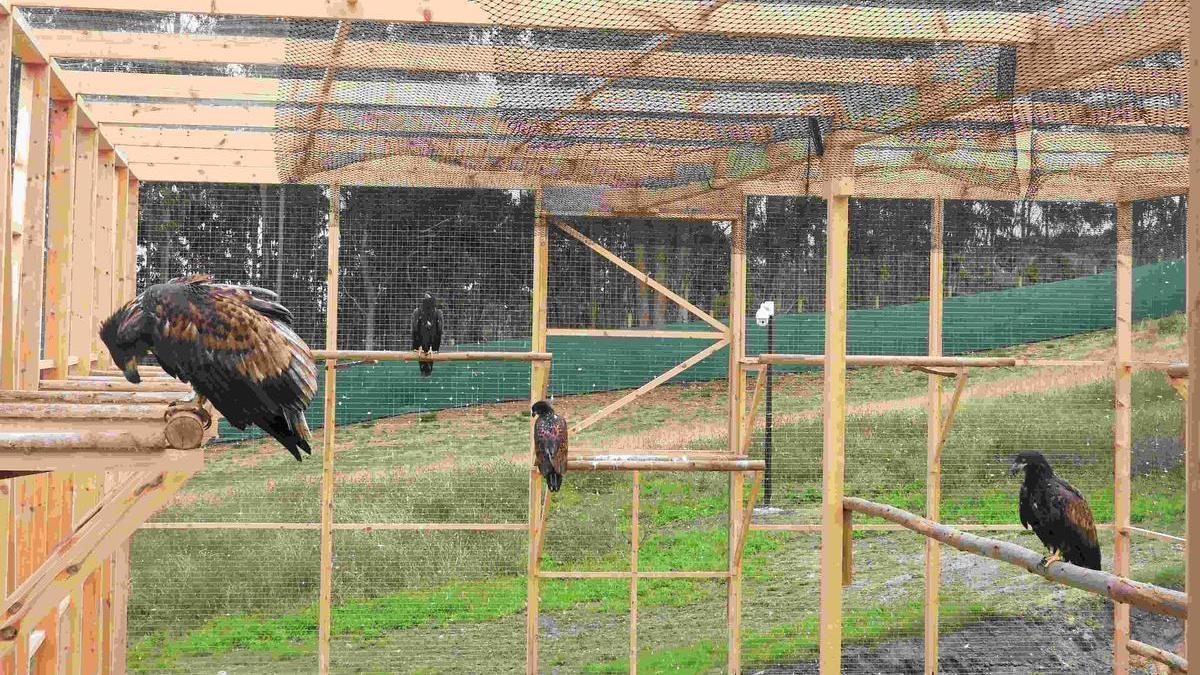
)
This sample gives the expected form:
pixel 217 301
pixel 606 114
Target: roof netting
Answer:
pixel 680 100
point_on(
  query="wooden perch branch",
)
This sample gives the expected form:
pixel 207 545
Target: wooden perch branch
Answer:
pixel 1176 663
pixel 1147 596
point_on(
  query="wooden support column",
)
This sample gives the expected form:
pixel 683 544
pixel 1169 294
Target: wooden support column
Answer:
pixel 325 613
pixel 1122 429
pixel 737 410
pixel 29 219
pixel 538 387
pixel 1192 405
pixel 131 237
pixel 59 220
pixel 106 251
pixel 933 423
pixel 123 258
pixel 834 414
pixel 635 512
pixel 8 346
pixel 83 250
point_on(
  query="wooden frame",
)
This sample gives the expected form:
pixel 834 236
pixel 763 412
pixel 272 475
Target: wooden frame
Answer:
pixel 1191 49
pixel 29 217
pixel 934 439
pixel 60 219
pixel 83 248
pixel 329 434
pixel 1122 429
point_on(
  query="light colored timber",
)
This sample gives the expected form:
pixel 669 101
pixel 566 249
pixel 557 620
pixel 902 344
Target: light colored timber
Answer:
pixel 735 18
pixel 641 276
pixel 73 560
pixel 1122 429
pixel 815 528
pixel 960 385
pixel 1146 596
pixel 105 250
pixel 834 421
pixel 635 332
pixel 329 436
pixel 343 527
pixel 539 386
pixel 747 421
pixel 114 385
pixel 743 529
pixel 124 260
pixel 8 245
pixel 94 452
pixel 83 248
pixel 649 386
pixel 736 416
pixel 635 512
pixel 624 574
pixel 1191 407
pixel 1161 536
pixel 82 411
pixel 29 216
pixel 60 221
pixel 627 463
pixel 131 236
pixel 933 435
pixel 92 397
pixel 892 360
pixel 1176 663
pixel 367 355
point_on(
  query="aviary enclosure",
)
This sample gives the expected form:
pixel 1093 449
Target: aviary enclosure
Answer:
pixel 970 218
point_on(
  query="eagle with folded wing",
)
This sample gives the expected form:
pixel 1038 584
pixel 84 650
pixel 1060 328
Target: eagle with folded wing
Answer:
pixel 234 345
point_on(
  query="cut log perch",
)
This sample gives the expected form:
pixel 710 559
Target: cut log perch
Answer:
pixel 1176 663
pixel 1146 596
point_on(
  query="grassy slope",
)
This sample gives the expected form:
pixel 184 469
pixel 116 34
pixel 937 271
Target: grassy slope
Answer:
pixel 462 594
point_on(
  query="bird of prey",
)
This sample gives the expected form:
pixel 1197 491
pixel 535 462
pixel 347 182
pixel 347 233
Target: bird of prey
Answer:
pixel 550 439
pixel 427 331
pixel 1056 512
pixel 233 344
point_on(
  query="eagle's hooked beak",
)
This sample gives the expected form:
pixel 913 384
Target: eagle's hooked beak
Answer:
pixel 131 371
pixel 1016 466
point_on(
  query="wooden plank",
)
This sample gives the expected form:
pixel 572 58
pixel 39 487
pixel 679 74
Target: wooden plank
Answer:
pixel 893 360
pixel 637 333
pixel 1161 536
pixel 324 612
pixel 118 633
pixel 378 355
pixel 680 463
pixel 8 306
pixel 641 276
pixel 342 527
pixel 847 547
pixel 634 522
pixel 124 255
pixel 1122 429
pixel 539 382
pixel 737 411
pixel 106 251
pixel 649 386
pixel 60 219
pixel 747 422
pixel 834 419
pixel 623 574
pixel 738 18
pixel 933 444
pixel 83 249
pixel 29 216
pixel 132 216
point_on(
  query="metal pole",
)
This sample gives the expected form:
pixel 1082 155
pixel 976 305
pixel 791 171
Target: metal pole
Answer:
pixel 768 436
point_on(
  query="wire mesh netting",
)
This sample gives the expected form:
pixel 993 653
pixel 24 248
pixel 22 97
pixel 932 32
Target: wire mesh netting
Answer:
pixel 1029 120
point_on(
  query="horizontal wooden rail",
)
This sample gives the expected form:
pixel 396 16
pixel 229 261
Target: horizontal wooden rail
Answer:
pixel 892 527
pixel 350 527
pixel 1161 536
pixel 1176 663
pixel 1146 596
pixel 891 360
pixel 626 574
pixel 642 463
pixel 636 333
pixel 113 385
pixel 365 355
pixel 92 397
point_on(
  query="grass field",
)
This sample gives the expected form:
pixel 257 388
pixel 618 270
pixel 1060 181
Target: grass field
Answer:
pixel 245 601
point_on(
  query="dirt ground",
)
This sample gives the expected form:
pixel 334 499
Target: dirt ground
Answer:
pixel 1008 647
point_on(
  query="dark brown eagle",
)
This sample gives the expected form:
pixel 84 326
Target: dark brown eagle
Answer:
pixel 550 439
pixel 427 331
pixel 233 344
pixel 1056 512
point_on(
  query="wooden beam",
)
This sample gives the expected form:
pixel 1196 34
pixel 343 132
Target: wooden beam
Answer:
pixel 834 420
pixel 636 333
pixel 735 18
pixel 29 217
pixel 933 441
pixel 848 548
pixel 1175 663
pixel 1146 596
pixel 737 412
pixel 8 244
pixel 539 383
pixel 60 218
pixel 106 251
pixel 124 264
pixel 131 233
pixel 1122 429
pixel 83 249
pixel 661 463
pixel 371 355
pixel 324 611
pixel 635 515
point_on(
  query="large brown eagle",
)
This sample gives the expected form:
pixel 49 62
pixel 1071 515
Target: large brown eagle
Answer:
pixel 550 439
pixel 233 344
pixel 1056 512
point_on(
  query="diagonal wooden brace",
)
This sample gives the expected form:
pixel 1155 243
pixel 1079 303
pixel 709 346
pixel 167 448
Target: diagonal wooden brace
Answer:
pixel 752 410
pixel 95 540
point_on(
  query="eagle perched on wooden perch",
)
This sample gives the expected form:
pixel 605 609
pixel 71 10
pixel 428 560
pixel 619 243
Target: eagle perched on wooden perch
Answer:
pixel 550 439
pixel 233 344
pixel 1056 512
pixel 427 331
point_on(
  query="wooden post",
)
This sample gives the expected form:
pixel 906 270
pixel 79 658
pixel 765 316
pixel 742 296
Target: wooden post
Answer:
pixel 1122 428
pixel 123 258
pixel 61 195
pixel 634 516
pixel 933 422
pixel 106 251
pixel 131 237
pixel 83 250
pixel 324 613
pixel 834 412
pixel 8 346
pixel 737 410
pixel 1192 405
pixel 538 385
pixel 29 218
pixel 847 547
